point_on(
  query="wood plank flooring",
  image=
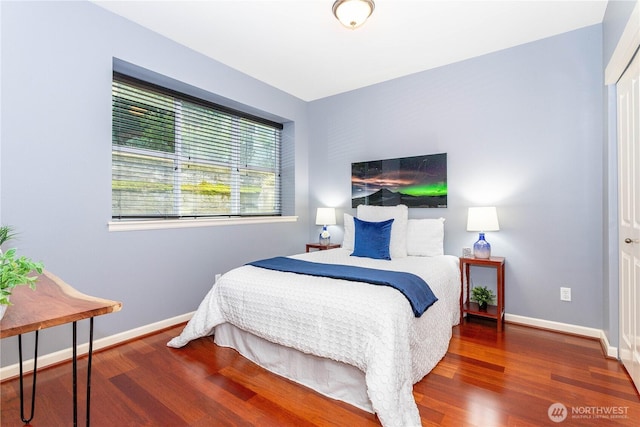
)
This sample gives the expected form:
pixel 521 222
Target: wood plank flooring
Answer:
pixel 486 379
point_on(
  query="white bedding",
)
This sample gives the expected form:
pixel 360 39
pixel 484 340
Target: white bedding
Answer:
pixel 367 326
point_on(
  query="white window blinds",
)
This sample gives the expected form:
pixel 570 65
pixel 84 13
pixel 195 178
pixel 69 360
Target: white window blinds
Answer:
pixel 174 156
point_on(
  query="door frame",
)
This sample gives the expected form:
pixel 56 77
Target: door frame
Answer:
pixel 625 49
pixel 623 53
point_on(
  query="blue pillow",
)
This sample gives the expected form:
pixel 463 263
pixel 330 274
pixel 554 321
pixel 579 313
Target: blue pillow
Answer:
pixel 372 239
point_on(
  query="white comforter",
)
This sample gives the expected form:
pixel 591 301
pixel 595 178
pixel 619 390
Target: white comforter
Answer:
pixel 367 326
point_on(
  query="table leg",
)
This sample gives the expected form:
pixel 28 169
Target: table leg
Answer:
pixel 467 268
pixel 500 297
pixel 33 386
pixel 75 376
pixel 89 370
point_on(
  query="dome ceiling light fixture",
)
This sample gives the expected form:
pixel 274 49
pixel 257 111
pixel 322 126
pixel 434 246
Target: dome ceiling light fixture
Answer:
pixel 353 13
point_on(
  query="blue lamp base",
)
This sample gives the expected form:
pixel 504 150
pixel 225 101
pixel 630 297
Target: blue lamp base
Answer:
pixel 325 237
pixel 482 248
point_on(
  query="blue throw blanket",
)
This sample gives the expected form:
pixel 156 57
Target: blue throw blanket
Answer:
pixel 416 290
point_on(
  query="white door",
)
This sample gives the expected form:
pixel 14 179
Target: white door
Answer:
pixel 628 89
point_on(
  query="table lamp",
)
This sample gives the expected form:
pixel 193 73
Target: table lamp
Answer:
pixel 482 219
pixel 324 217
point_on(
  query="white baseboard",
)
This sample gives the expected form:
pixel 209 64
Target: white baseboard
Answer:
pixel 65 355
pixel 611 351
pixel 566 328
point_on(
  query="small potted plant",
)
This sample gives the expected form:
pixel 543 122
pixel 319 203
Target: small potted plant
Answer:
pixel 482 296
pixel 14 270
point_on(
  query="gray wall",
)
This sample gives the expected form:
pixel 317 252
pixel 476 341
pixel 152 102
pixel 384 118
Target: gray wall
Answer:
pixel 523 131
pixel 56 166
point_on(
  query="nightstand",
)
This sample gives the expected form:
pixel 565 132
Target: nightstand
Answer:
pixel 320 247
pixel 469 307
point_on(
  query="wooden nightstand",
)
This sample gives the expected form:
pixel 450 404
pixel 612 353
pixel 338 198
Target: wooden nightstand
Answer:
pixel 320 247
pixel 466 306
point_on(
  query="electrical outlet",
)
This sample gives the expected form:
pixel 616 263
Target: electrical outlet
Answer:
pixel 565 294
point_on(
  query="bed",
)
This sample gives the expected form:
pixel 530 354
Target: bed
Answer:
pixel 353 341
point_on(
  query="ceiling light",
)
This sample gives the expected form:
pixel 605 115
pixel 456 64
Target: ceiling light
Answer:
pixel 353 13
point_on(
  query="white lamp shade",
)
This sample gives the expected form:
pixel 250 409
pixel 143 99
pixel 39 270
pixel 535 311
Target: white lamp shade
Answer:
pixel 326 216
pixel 483 219
pixel 353 13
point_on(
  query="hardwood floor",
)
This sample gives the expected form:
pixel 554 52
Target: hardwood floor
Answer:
pixel 486 379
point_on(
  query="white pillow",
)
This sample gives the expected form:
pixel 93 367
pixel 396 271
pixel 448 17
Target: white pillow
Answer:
pixel 400 215
pixel 425 237
pixel 349 233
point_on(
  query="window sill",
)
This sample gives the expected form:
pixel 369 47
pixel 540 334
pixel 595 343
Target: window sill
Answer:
pixel 138 225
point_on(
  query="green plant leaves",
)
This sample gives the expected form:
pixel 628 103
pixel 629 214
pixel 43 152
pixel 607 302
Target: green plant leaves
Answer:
pixel 482 294
pixel 16 271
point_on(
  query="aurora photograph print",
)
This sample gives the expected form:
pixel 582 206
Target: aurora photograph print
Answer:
pixel 418 182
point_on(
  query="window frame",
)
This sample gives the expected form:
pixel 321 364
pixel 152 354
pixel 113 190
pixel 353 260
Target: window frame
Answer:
pixel 164 224
pixel 131 222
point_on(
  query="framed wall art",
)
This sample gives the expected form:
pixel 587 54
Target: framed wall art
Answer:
pixel 418 182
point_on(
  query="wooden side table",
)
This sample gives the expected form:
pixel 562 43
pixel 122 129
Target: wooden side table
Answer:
pixel 52 303
pixel 469 307
pixel 321 247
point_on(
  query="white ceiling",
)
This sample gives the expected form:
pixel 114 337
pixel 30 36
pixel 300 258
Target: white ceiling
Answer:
pixel 299 47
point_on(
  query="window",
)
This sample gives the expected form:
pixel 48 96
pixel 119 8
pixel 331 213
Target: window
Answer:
pixel 175 156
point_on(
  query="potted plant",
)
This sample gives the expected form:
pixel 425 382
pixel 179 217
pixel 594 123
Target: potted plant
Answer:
pixel 482 296
pixel 14 270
